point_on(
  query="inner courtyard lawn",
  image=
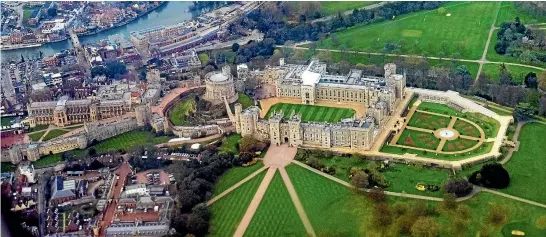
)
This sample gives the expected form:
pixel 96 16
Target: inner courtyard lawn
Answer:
pixel 227 212
pixel 53 134
pixel 428 121
pixel 178 112
pixel 418 139
pixel 245 100
pixel 234 175
pixel 276 215
pixel 312 113
pixel 230 144
pixel 36 136
pixel 464 31
pixel 329 8
pixel 526 167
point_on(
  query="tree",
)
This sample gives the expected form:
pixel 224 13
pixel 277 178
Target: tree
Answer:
pixel 459 187
pixel 450 201
pixel 491 176
pixel 524 111
pixel 505 75
pixel 542 81
pixel 52 12
pixel 541 222
pixel 377 195
pixel 359 180
pixel 463 78
pixel 382 216
pixel 425 227
pixel 235 47
pixel 498 215
pixel 531 80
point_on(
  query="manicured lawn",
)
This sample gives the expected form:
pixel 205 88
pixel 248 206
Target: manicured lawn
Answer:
pixel 332 209
pixel 527 165
pixel 403 178
pixel 276 215
pixel 489 125
pixel 329 8
pixel 509 12
pixel 312 112
pixel 53 134
pixel 178 112
pixel 6 121
pixel 230 144
pixel 459 144
pixel 125 141
pixel 36 136
pixel 432 33
pixel 227 212
pixel 47 160
pixel 484 148
pixel 245 100
pixel 234 175
pixel 518 73
pixel 38 128
pixel 428 121
pixel 418 139
pixel 466 128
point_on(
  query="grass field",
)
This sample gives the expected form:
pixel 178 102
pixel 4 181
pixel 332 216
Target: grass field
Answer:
pixel 234 175
pixel 428 121
pixel 47 160
pixel 36 136
pixel 312 112
pixel 518 73
pixel 38 128
pixel 53 134
pixel 466 128
pixel 526 167
pixel 276 215
pixel 484 148
pixel 245 100
pixel 178 112
pixel 427 32
pixel 418 139
pixel 459 144
pixel 509 12
pixel 403 178
pixel 329 8
pixel 227 212
pixel 125 141
pixel 231 144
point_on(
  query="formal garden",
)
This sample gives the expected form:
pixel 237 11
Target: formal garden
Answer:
pixel 311 113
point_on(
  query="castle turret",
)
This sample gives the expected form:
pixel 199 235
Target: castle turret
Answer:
pixel 238 111
pixel 295 132
pixel 143 114
pixel 390 69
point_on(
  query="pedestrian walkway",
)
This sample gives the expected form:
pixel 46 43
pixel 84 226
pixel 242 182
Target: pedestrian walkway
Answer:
pixel 224 193
pixel 297 203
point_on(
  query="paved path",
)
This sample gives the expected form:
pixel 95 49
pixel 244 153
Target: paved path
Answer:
pixel 279 156
pixel 297 203
pixel 254 203
pixel 515 139
pixel 484 54
pixel 224 193
pixel 514 197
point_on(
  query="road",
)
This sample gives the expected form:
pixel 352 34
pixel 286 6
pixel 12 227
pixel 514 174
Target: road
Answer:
pixel 122 172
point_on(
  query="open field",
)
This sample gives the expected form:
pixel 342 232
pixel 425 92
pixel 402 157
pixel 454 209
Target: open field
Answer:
pixel 125 141
pixel 329 8
pixel 526 167
pixel 518 73
pixel 231 144
pixel 178 112
pixel 36 136
pixel 276 215
pixel 234 175
pixel 227 212
pixel 47 160
pixel 312 112
pixel 53 134
pixel 509 12
pixel 432 33
pixel 418 139
pixel 428 121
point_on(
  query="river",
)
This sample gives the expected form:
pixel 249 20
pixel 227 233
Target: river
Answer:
pixel 168 14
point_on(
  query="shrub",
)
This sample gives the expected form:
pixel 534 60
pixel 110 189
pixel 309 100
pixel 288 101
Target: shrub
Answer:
pixel 459 187
pixel 491 176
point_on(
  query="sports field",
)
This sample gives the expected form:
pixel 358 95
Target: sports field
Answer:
pixel 312 113
pixel 433 33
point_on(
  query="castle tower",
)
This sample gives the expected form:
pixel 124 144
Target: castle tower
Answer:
pixel 93 116
pixel 295 132
pixel 275 128
pixel 15 154
pixel 59 116
pixel 226 70
pixel 143 114
pixel 390 69
pixel 281 62
pixel 33 152
pixel 238 111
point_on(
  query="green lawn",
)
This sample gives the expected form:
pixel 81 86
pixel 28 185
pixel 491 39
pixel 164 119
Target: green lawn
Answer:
pixel 125 141
pixel 403 178
pixel 458 144
pixel 466 128
pixel 418 139
pixel 245 100
pixel 227 212
pixel 162 139
pixel 509 12
pixel 231 144
pixel 178 112
pixel 332 209
pixel 329 8
pixel 47 160
pixel 428 121
pixel 26 15
pixel 7 167
pixel 53 134
pixel 431 33
pixel 36 136
pixel 518 73
pixel 276 215
pixel 312 112
pixel 527 165
pixel 234 175
pixel 489 125
pixel 484 148
pixel 6 121
pixel 38 128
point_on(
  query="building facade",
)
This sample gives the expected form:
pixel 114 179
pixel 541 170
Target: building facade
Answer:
pixel 219 85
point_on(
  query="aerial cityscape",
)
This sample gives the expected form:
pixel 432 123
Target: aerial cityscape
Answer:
pixel 275 118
